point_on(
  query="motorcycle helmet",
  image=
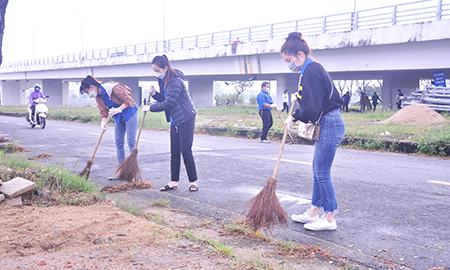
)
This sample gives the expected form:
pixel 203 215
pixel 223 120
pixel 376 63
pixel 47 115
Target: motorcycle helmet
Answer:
pixel 37 87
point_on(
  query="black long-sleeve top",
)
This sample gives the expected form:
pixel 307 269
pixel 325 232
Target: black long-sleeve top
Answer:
pixel 316 93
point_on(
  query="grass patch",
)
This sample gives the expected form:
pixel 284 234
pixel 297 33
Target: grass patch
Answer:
pixel 53 184
pixel 11 148
pixel 215 245
pixel 63 181
pixel 288 246
pixel 135 211
pixel 15 163
pixel 161 203
pixel 156 218
pixel 241 229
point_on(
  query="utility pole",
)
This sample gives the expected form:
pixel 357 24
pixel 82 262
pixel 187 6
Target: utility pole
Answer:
pixel 164 18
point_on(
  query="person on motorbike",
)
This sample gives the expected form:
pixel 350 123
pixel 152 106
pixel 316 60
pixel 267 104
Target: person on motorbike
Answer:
pixel 36 94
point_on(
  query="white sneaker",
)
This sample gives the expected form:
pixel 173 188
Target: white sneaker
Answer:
pixel 321 224
pixel 304 218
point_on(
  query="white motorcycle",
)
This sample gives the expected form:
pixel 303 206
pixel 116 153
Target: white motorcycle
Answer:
pixel 40 113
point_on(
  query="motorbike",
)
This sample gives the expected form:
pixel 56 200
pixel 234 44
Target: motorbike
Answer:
pixel 40 113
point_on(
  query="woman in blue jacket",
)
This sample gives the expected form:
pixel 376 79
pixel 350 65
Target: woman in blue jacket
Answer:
pixel 175 100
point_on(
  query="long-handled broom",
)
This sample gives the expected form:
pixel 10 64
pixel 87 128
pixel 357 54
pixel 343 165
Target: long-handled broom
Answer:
pixel 87 169
pixel 265 210
pixel 129 169
pixel 282 121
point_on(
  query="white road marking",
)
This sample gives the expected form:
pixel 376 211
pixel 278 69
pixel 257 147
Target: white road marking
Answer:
pixel 439 182
pixel 284 160
pixel 290 198
pixel 22 124
pixel 202 148
pixel 63 129
pixel 5 122
pixel 94 133
pixel 38 146
pixel 283 197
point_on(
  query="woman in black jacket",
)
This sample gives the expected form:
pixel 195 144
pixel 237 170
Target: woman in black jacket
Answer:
pixel 319 101
pixel 174 99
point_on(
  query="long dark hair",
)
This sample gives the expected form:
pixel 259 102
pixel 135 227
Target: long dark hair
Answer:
pixel 87 82
pixel 294 44
pixel 162 61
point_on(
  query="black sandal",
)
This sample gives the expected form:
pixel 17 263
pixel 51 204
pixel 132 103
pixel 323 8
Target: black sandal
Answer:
pixel 167 187
pixel 193 188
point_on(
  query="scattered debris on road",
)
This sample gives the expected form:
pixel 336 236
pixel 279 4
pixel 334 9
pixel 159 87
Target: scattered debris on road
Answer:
pixel 144 184
pixel 40 156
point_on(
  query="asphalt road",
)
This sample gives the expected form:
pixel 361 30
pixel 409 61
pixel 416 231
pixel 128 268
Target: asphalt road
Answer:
pixel 393 207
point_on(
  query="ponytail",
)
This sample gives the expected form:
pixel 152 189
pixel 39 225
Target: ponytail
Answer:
pixel 162 61
pixel 294 44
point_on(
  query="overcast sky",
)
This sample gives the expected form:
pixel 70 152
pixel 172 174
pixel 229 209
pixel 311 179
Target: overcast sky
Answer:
pixel 36 28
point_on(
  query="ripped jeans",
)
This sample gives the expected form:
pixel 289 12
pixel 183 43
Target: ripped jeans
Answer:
pixel 332 131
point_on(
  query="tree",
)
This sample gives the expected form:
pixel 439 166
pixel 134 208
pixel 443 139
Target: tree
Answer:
pixel 240 87
pixel 3 4
pixel 343 85
pixel 361 85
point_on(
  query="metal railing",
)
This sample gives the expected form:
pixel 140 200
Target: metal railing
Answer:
pixel 413 12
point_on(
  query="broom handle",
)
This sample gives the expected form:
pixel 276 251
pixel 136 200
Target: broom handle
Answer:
pixel 282 121
pixel 98 145
pixel 140 130
pixel 143 121
pixel 283 141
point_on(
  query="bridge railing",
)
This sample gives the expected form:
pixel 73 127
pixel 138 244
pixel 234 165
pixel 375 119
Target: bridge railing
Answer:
pixel 412 12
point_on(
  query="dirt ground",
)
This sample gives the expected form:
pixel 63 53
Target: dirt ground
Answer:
pixel 103 236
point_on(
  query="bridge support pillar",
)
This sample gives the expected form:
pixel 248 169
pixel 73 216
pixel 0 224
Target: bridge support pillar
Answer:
pixel 133 83
pixel 390 86
pixel 10 93
pixel 58 91
pixel 285 82
pixel 201 90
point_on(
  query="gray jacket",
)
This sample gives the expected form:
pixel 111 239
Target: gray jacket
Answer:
pixel 175 100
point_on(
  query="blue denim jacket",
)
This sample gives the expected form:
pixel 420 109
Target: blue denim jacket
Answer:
pixel 264 98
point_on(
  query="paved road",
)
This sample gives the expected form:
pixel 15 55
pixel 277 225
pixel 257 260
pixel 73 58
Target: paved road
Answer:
pixel 393 207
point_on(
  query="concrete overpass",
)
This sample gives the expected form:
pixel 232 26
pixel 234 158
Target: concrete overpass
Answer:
pixel 397 44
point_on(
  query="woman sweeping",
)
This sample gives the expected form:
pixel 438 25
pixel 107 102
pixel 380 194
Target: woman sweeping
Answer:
pixel 174 99
pixel 319 101
pixel 114 100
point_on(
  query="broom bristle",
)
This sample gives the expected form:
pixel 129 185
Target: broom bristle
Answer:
pixel 87 169
pixel 129 169
pixel 265 210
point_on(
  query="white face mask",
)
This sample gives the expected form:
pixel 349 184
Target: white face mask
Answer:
pixel 292 66
pixel 92 94
pixel 161 75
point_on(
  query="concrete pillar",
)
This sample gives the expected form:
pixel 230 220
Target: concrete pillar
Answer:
pixel 285 82
pixel 133 83
pixel 390 86
pixel 201 90
pixel 57 90
pixel 10 93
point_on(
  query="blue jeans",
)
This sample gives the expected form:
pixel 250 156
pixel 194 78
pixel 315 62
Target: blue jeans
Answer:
pixel 130 127
pixel 331 134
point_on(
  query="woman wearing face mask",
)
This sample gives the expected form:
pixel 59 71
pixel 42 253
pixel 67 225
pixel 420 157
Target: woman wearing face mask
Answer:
pixel 114 100
pixel 174 99
pixel 319 101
